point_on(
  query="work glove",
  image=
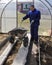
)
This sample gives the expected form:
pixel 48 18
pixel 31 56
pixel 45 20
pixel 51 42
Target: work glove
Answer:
pixel 32 22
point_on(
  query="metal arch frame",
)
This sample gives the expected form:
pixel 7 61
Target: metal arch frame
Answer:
pixel 51 16
pixel 4 10
pixel 48 10
pixel 46 6
pixel 48 3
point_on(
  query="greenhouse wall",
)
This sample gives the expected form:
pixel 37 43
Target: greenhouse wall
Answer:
pixel 8 17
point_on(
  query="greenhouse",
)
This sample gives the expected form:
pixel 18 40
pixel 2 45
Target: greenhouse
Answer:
pixel 25 32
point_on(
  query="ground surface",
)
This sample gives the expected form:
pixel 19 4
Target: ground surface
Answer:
pixel 46 51
pixel 47 54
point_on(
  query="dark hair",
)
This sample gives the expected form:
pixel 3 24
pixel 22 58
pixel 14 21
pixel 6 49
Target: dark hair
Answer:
pixel 32 6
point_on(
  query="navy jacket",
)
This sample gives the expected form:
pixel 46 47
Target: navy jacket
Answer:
pixel 33 15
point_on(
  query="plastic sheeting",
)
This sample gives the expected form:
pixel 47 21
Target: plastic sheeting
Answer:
pixel 7 15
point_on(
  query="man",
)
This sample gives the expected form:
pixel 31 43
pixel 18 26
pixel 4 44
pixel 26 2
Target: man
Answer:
pixel 34 15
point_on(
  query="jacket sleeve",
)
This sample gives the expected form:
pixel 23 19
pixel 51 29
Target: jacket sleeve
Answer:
pixel 25 17
pixel 38 16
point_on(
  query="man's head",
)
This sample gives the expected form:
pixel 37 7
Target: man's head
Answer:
pixel 32 7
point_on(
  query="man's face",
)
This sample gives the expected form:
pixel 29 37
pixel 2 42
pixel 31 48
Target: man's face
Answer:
pixel 31 8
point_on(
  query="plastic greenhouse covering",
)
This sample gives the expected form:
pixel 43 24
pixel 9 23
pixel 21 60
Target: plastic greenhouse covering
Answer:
pixel 45 8
pixel 7 15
